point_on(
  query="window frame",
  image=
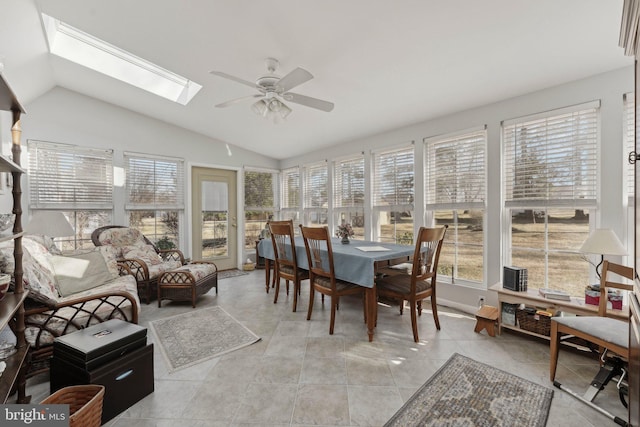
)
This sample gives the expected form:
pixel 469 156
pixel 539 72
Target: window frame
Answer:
pixel 463 142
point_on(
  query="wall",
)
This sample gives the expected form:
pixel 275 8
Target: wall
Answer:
pixel 68 117
pixel 608 88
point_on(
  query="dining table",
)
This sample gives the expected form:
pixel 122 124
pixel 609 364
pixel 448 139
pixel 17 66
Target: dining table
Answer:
pixel 355 262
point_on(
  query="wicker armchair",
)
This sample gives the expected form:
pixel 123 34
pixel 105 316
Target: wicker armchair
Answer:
pixel 44 323
pixel 138 254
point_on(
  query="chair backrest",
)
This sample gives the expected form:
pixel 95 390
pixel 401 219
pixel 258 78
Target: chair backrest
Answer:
pixel 427 254
pixel 119 236
pixel 606 283
pixel 316 241
pixel 284 247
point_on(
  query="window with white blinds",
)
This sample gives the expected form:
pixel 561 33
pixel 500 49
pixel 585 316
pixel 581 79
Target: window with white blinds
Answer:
pixel 69 177
pixel 316 194
pixel 551 159
pixel 290 185
pixel 154 183
pixel 393 179
pixel 315 186
pixel 629 139
pixel 348 183
pixel 455 171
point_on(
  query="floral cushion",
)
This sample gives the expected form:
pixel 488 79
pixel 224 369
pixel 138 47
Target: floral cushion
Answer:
pixel 158 269
pixel 121 237
pixel 146 253
pixel 198 271
pixel 39 275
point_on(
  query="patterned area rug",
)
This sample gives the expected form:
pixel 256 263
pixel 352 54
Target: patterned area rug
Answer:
pixel 468 393
pixel 190 338
pixel 225 274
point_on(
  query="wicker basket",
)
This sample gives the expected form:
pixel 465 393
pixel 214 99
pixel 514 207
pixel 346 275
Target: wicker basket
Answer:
pixel 85 404
pixel 529 321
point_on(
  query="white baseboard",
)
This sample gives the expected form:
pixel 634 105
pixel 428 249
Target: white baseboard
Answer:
pixel 470 309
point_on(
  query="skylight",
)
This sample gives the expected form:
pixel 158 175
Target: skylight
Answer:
pixel 75 45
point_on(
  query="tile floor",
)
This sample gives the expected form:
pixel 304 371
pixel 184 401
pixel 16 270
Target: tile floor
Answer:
pixel 299 375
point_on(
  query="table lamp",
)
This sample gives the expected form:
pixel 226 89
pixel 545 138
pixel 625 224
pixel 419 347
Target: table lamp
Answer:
pixel 49 224
pixel 603 241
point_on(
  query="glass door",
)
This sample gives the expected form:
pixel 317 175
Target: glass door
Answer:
pixel 214 216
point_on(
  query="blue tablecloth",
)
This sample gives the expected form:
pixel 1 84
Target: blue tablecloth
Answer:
pixel 350 263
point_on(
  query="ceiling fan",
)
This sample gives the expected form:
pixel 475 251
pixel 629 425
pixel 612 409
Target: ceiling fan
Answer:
pixel 274 90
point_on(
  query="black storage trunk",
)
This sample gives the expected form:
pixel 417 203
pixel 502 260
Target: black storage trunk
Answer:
pixel 113 354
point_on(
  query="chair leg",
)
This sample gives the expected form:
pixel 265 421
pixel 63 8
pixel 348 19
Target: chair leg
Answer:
pixel 420 308
pixel 434 310
pixel 334 303
pixel 553 350
pixel 312 292
pixel 401 307
pixel 277 290
pixel 414 320
pixel 296 289
pixel 287 283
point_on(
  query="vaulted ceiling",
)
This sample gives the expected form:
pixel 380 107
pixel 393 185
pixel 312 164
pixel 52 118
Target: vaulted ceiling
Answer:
pixel 385 64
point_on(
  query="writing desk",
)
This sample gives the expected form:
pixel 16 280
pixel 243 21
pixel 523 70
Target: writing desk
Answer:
pixel 350 264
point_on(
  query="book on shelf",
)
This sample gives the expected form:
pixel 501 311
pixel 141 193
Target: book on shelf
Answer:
pixel 554 294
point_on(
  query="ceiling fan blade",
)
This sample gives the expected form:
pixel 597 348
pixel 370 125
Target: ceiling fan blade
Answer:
pixel 309 101
pixel 293 79
pixel 234 78
pixel 238 100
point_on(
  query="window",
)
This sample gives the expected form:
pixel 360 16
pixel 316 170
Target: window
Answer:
pixel 393 195
pixel 316 199
pixel 290 196
pixel 348 193
pixel 550 175
pixel 75 180
pixel 85 49
pixel 155 197
pixel 455 188
pixel 259 203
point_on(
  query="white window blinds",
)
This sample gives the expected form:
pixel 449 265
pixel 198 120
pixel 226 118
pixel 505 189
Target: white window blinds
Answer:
pixel 290 188
pixel 455 171
pixel 154 183
pixel 551 159
pixel 393 179
pixel 65 176
pixel 629 139
pixel 348 183
pixel 315 186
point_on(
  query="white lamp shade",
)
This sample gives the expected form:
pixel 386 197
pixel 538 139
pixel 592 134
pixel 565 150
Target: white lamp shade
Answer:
pixel 603 241
pixel 50 224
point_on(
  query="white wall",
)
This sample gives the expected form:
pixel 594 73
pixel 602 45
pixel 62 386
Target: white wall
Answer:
pixel 608 88
pixel 68 117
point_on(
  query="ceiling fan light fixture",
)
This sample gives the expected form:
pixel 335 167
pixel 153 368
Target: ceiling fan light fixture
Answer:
pixel 261 108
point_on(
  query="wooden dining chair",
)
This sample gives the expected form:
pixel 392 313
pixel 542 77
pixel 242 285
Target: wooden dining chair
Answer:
pixel 606 333
pixel 286 263
pixel 420 283
pixel 321 272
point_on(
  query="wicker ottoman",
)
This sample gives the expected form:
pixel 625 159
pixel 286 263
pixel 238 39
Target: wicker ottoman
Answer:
pixel 188 282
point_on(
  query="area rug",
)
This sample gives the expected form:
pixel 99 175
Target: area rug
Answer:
pixel 193 337
pixel 225 274
pixel 468 393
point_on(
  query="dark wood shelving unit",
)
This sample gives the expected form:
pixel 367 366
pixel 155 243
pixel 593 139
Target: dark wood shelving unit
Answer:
pixel 12 305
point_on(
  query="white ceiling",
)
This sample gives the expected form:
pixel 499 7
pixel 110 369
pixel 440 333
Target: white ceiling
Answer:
pixel 385 64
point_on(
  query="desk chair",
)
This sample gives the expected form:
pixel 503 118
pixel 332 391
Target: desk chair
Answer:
pixel 286 263
pixel 609 335
pixel 421 282
pixel 321 274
